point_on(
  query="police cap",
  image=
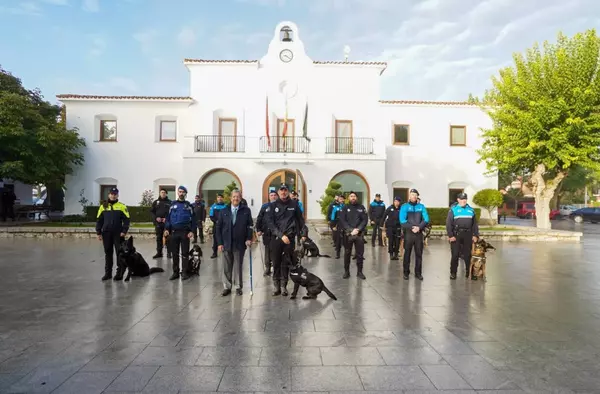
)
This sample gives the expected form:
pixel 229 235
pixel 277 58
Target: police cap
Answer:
pixel 283 186
pixel 414 191
pixel 114 190
pixel 462 196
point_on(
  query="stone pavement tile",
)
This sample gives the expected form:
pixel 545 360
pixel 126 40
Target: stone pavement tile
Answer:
pixel 142 332
pixel 114 358
pixel 40 380
pixel 318 339
pixel 290 326
pixel 444 342
pixel 410 339
pixel 86 382
pixel 411 356
pixel 295 356
pixel 157 356
pixel 267 314
pixel 263 339
pixel 303 314
pixel 338 325
pixel 169 337
pixel 208 339
pixel 133 378
pixel 351 356
pixel 325 378
pixel 7 380
pixel 371 338
pixel 256 379
pixel 173 379
pixel 248 325
pixel 441 392
pixel 444 377
pixel 200 325
pixel 222 314
pixel 230 356
pixel 480 374
pixel 394 378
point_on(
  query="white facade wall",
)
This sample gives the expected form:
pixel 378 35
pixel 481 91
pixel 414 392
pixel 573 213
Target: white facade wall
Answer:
pixel 347 91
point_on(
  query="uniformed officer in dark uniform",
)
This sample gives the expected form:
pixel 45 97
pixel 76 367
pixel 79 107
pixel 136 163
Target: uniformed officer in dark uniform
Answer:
pixel 285 221
pixel 413 219
pixel 200 212
pixel 393 229
pixel 353 222
pixel 333 216
pixel 262 229
pixel 159 211
pixel 112 224
pixel 376 214
pixel 181 224
pixel 213 214
pixel 462 230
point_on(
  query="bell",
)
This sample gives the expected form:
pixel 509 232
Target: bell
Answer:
pixel 286 34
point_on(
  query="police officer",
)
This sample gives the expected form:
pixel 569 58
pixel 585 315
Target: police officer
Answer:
pixel 181 224
pixel 262 229
pixel 462 230
pixel 285 221
pixel 353 222
pixel 213 214
pixel 200 212
pixel 392 228
pixel 112 224
pixel 376 213
pixel 159 211
pixel 333 216
pixel 413 219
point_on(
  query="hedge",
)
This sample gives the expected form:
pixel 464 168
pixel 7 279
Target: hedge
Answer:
pixel 438 215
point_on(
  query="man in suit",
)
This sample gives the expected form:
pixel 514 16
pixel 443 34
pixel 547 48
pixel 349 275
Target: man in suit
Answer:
pixel 234 234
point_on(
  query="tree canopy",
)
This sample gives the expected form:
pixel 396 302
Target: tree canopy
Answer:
pixel 545 115
pixel 35 145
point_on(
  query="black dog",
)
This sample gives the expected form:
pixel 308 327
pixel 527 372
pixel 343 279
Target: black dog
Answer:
pixel 195 256
pixel 301 277
pixel 131 260
pixel 310 249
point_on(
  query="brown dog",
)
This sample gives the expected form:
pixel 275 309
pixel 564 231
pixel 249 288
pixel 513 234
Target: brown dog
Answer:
pixel 478 259
pixel 384 236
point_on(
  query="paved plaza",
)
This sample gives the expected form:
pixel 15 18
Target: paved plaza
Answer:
pixel 533 327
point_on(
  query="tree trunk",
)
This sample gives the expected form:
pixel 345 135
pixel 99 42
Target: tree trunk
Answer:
pixel 543 192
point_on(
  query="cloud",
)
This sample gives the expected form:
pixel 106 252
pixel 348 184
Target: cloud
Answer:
pixel 91 5
pixel 186 37
pixel 55 2
pixel 146 39
pixel 23 8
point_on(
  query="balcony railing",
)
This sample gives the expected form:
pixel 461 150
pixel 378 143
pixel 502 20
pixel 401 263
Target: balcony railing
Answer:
pixel 349 145
pixel 285 145
pixel 224 143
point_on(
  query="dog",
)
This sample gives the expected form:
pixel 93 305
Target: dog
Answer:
pixel 195 257
pixel 426 233
pixel 310 249
pixel 301 277
pixel 384 236
pixel 166 244
pixel 478 259
pixel 128 258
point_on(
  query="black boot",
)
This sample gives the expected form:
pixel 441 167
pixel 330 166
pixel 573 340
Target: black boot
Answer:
pixel 277 287
pixel 107 276
pixel 107 271
pixel 284 292
pixel 158 255
pixel 359 272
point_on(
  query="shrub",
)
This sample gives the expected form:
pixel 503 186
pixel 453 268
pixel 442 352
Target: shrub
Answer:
pixel 489 199
pixel 147 198
pixel 332 189
pixel 227 192
pixel 438 216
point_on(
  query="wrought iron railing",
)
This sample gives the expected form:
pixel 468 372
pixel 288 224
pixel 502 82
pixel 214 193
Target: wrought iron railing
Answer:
pixel 224 143
pixel 285 144
pixel 349 145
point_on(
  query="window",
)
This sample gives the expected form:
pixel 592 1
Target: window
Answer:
pixel 343 136
pixel 458 135
pixel 104 190
pixel 108 130
pixel 170 192
pixel 168 130
pixel 227 135
pixel 401 192
pixel 401 134
pixel 452 195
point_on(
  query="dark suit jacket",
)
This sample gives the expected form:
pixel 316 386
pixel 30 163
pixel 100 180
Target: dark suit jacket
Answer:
pixel 234 237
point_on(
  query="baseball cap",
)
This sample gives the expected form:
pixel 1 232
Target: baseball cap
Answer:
pixel 114 190
pixel 378 195
pixel 398 199
pixel 414 191
pixel 462 196
pixel 283 186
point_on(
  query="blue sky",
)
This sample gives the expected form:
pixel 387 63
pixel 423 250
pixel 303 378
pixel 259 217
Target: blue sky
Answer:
pixel 435 49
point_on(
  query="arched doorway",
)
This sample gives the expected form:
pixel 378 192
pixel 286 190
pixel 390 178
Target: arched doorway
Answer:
pixel 293 179
pixel 354 181
pixel 214 182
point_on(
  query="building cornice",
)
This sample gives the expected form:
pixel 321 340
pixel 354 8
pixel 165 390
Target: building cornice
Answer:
pixel 425 102
pixel 88 97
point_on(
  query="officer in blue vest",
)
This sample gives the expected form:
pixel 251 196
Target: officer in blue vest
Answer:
pixel 413 219
pixel 376 214
pixel 462 230
pixel 181 224
pixel 333 216
pixel 213 214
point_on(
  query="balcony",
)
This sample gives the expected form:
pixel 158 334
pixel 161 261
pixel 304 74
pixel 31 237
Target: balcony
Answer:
pixel 284 145
pixel 224 143
pixel 349 145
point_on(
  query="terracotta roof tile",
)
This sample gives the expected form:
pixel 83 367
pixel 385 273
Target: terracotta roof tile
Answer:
pixel 208 61
pixel 95 97
pixel 352 63
pixel 424 102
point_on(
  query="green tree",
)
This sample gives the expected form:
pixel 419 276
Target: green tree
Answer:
pixel 488 199
pixel 545 117
pixel 227 192
pixel 35 145
pixel 332 189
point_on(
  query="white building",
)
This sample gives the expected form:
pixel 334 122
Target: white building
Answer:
pixel 218 134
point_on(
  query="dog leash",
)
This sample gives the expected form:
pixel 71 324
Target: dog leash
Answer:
pixel 251 286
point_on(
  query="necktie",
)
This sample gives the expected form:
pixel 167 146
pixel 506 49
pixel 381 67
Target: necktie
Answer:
pixel 234 215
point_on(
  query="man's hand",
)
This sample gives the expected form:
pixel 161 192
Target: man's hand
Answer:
pixel 123 235
pixel 190 235
pixel 415 229
pixel 285 240
pixel 248 243
pixel 354 232
pixel 303 239
pixel 221 248
pixel 259 233
pixel 166 233
pixel 99 237
pixel 452 239
pixel 475 238
pixel 372 222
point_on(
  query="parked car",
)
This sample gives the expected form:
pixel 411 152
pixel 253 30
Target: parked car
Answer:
pixel 589 214
pixel 527 211
pixel 566 210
